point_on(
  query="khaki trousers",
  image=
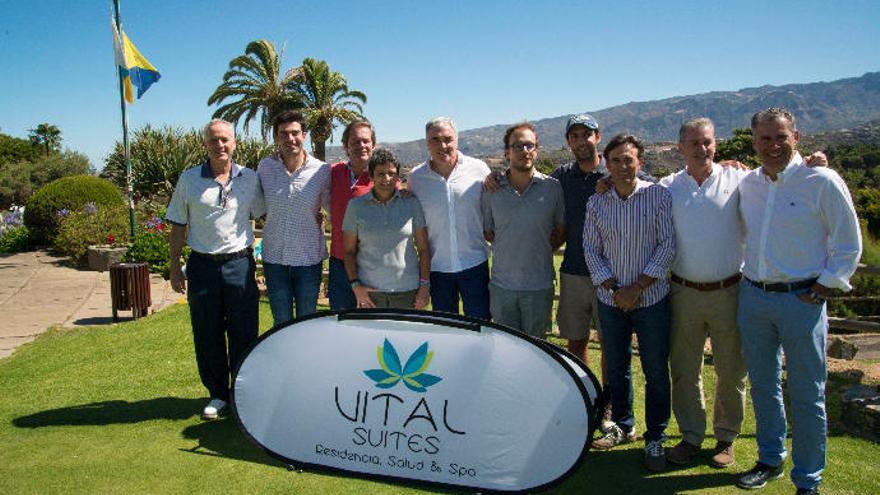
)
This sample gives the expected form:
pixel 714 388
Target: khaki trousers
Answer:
pixel 696 315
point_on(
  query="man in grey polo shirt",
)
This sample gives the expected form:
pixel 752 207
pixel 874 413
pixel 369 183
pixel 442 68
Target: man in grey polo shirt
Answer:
pixel 524 219
pixel 449 186
pixel 211 209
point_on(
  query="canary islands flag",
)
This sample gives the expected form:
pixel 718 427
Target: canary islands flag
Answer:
pixel 133 67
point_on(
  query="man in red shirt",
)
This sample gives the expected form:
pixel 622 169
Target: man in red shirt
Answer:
pixel 348 179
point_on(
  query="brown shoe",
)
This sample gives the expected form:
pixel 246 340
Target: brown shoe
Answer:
pixel 723 455
pixel 682 453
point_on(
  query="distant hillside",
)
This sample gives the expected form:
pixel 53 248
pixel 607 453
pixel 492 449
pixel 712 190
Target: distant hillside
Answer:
pixel 867 133
pixel 819 107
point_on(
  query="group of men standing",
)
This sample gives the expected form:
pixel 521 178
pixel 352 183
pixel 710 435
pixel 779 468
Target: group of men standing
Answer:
pixel 746 258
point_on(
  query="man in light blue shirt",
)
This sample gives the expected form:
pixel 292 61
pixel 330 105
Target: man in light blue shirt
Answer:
pixel 211 208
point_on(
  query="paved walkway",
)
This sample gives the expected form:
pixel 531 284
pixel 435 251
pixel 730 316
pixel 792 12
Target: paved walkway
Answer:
pixel 37 291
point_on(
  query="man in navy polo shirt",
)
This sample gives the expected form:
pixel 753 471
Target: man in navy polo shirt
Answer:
pixel 211 210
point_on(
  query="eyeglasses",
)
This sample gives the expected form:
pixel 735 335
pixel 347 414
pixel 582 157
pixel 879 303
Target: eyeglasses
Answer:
pixel 527 147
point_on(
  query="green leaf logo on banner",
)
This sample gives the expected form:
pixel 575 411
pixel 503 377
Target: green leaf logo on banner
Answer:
pixel 412 374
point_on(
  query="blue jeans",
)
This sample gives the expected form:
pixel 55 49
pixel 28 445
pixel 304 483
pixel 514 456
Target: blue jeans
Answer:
pixel 288 284
pixel 471 284
pixel 339 287
pixel 223 299
pixel 652 325
pixel 770 323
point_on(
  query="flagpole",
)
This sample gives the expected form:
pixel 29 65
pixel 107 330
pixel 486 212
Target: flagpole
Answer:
pixel 127 152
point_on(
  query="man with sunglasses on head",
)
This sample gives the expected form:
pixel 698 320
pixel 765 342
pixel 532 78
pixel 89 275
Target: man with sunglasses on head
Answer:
pixel 524 219
pixel 210 210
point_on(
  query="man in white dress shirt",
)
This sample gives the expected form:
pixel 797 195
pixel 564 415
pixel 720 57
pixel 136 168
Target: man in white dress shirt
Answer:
pixel 802 241
pixel 449 187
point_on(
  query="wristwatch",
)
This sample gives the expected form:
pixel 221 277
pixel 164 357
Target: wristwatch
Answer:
pixel 424 282
pixel 355 283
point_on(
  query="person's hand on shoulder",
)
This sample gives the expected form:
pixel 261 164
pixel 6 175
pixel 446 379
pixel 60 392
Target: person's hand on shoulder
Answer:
pixel 492 181
pixel 817 159
pixel 604 185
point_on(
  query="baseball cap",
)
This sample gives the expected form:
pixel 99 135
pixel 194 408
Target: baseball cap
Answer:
pixel 583 119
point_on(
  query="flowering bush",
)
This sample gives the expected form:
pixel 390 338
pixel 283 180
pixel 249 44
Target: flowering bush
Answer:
pixel 91 225
pixel 54 202
pixel 151 245
pixel 14 237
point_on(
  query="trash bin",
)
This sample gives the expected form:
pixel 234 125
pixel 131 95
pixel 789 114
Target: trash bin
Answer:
pixel 130 288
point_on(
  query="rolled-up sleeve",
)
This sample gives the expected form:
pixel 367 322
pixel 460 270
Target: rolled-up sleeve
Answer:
pixel 844 236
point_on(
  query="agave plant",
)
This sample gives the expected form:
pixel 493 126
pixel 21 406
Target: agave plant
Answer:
pixel 159 156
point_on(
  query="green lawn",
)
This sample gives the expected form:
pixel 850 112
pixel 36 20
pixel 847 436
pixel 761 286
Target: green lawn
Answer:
pixel 115 409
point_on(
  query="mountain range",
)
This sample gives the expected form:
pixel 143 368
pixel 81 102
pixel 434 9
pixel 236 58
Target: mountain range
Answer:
pixel 818 107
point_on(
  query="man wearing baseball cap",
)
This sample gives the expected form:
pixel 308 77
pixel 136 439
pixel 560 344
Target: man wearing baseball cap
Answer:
pixel 577 309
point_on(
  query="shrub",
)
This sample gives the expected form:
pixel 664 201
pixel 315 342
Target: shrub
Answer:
pixel 160 155
pixel 150 245
pixel 15 240
pixel 69 194
pixel 90 226
pixel 151 241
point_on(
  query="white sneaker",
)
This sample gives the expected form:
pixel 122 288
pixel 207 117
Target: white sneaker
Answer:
pixel 213 409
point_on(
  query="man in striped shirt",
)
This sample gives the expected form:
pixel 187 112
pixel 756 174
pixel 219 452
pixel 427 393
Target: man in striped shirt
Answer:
pixel 295 186
pixel 629 245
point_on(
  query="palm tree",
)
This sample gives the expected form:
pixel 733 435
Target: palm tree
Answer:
pixel 46 135
pixel 254 81
pixel 327 100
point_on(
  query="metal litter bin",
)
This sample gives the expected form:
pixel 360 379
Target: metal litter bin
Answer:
pixel 130 288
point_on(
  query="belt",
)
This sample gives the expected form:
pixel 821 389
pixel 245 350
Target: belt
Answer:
pixel 707 286
pixel 224 257
pixel 783 286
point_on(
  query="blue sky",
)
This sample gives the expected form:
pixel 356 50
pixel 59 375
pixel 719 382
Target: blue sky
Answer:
pixel 481 62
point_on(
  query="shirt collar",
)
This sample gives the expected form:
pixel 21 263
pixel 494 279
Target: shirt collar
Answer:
pixel 208 174
pixel 641 185
pixel 796 162
pixel 716 169
pixel 394 197
pixel 505 182
pixel 600 168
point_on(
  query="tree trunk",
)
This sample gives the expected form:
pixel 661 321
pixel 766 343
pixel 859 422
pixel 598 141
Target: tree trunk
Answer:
pixel 319 148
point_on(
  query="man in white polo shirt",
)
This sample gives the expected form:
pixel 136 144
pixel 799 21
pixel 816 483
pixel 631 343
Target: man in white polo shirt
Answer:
pixel 705 273
pixel 211 210
pixel 449 187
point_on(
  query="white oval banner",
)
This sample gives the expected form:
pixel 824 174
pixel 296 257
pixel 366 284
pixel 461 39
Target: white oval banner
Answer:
pixel 417 396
